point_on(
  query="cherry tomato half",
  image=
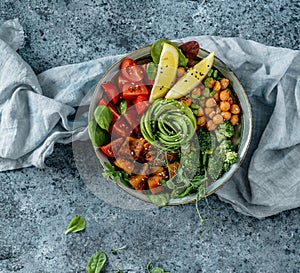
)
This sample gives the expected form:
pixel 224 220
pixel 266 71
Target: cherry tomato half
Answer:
pixel 111 92
pixel 131 70
pixel 109 148
pixel 122 81
pixel 141 104
pixel 131 92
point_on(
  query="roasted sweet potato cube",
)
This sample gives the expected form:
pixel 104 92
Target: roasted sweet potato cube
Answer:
pixel 142 169
pixel 136 146
pixel 173 167
pixel 121 128
pixel 125 148
pixel 124 164
pixel 154 183
pixel 133 118
pixel 132 147
pixel 139 182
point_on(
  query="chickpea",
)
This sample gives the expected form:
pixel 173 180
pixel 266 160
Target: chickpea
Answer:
pixel 201 121
pixel 224 83
pixel 200 112
pixel 234 119
pixel 208 110
pixel 210 102
pixel 224 95
pixel 212 114
pixel 217 96
pixel 226 115
pixel 217 119
pixel 217 86
pixel 224 106
pixel 218 110
pixel 211 83
pixel 230 100
pixel 202 87
pixel 211 126
pixel 180 71
pixel 196 91
pixel 235 109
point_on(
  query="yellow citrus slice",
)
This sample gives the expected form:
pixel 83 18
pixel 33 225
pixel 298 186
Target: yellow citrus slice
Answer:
pixel 166 72
pixel 192 78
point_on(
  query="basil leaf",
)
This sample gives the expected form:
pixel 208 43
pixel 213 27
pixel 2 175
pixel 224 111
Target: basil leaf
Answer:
pixel 122 107
pixel 103 116
pixel 157 48
pixel 96 262
pixel 98 136
pixel 151 70
pixel 77 223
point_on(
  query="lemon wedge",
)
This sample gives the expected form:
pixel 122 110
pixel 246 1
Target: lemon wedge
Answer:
pixel 192 78
pixel 166 72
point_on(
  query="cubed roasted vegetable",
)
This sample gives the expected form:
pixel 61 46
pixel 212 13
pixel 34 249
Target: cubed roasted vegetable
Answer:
pixel 154 184
pixel 139 182
pixel 124 164
pixel 132 147
pixel 172 168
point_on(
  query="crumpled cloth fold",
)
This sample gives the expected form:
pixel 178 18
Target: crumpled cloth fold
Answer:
pixel 37 111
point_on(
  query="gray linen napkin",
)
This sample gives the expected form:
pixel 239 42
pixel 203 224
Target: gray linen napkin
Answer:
pixel 38 111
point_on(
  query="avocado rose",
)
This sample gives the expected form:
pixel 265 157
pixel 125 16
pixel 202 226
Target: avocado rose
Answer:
pixel 168 124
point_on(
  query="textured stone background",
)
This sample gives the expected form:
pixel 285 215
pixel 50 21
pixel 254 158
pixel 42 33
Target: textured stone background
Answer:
pixel 37 204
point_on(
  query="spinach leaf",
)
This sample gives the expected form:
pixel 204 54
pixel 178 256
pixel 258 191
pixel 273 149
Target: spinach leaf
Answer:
pixel 151 70
pixel 96 262
pixel 155 269
pixel 77 223
pixel 161 199
pixel 157 48
pixel 122 107
pixel 98 136
pixel 103 116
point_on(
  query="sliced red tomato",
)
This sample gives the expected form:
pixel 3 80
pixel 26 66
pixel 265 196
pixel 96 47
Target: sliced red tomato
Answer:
pixel 131 70
pixel 111 148
pixel 111 92
pixel 122 81
pixel 133 118
pixel 141 104
pixel 121 128
pixel 131 92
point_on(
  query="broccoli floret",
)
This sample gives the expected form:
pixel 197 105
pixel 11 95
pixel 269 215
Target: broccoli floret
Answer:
pixel 226 129
pixel 226 145
pixel 216 162
pixel 230 158
pixel 221 160
pixel 207 141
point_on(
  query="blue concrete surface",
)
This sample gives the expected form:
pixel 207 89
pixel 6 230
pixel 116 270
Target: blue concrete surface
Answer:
pixel 37 204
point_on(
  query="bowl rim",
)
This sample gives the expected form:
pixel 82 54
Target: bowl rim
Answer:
pixel 242 151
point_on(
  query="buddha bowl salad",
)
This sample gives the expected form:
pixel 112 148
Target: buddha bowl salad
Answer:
pixel 167 123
